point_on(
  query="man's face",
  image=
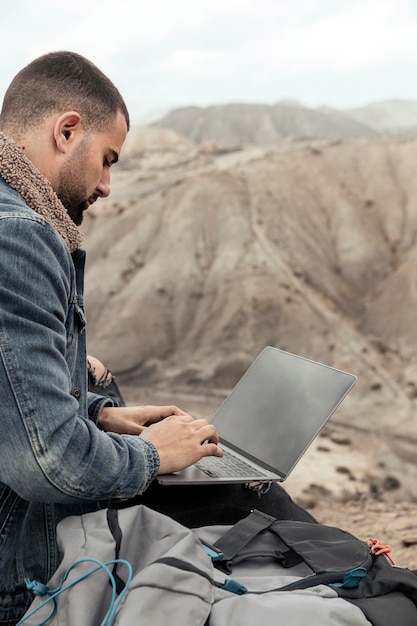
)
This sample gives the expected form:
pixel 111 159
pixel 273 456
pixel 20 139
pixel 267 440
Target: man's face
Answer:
pixel 85 176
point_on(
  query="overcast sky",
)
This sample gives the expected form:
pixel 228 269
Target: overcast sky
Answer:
pixel 167 53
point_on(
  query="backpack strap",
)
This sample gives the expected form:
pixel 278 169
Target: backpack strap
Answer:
pixel 116 531
pixel 334 556
pixel 230 548
pixel 242 533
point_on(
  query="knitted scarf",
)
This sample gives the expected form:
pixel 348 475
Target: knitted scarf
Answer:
pixel 20 173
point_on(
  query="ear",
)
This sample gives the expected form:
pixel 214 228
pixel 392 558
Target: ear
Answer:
pixel 67 130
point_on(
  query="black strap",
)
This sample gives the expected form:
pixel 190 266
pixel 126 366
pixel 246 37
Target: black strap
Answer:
pixel 242 533
pixel 116 531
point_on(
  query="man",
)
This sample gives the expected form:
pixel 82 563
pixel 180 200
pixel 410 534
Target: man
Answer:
pixel 62 127
pixel 62 450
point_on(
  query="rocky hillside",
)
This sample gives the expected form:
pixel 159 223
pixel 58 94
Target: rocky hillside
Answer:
pixel 261 124
pixel 205 254
pixel 388 115
pixel 234 124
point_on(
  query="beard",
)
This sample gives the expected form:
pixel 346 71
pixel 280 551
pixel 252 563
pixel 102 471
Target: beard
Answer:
pixel 72 185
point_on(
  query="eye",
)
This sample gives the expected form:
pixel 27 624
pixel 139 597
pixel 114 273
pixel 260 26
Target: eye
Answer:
pixel 110 158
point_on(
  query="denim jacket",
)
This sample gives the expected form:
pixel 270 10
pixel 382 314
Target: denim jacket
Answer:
pixel 54 461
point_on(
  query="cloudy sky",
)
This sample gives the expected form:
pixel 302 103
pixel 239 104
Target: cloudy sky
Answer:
pixel 168 53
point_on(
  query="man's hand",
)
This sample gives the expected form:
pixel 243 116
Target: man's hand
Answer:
pixel 132 420
pixel 180 441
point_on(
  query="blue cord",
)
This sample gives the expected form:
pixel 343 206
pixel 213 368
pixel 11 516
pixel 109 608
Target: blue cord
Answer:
pixel 41 590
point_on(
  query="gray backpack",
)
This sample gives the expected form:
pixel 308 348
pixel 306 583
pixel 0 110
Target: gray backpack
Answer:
pixel 136 566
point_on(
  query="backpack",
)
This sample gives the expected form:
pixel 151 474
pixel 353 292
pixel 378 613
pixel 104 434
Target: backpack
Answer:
pixel 125 567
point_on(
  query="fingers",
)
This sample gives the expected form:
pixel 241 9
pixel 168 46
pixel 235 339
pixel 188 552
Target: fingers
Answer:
pixel 206 432
pixel 158 413
pixel 179 441
pixel 174 410
pixel 212 449
pixel 203 429
pixel 131 420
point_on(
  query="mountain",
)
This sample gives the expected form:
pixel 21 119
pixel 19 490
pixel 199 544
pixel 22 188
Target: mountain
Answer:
pixel 234 124
pixel 387 115
pixel 205 254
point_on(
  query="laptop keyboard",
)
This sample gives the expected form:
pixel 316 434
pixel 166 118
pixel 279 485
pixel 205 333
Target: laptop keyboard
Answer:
pixel 228 466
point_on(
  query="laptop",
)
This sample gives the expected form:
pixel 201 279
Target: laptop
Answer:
pixel 270 418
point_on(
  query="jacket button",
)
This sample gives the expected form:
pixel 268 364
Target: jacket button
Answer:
pixel 76 392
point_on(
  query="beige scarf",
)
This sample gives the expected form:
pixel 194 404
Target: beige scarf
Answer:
pixel 20 173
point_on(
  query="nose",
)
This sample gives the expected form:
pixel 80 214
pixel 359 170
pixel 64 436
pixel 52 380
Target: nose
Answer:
pixel 103 188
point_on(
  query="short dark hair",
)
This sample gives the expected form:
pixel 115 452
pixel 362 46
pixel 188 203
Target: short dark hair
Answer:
pixel 61 81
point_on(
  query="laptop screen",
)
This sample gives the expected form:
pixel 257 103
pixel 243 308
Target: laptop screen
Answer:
pixel 279 406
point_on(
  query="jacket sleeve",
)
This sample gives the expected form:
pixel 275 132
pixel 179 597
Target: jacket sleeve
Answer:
pixel 49 450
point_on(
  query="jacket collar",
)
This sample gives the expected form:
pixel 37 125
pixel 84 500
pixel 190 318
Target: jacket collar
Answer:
pixel 20 173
